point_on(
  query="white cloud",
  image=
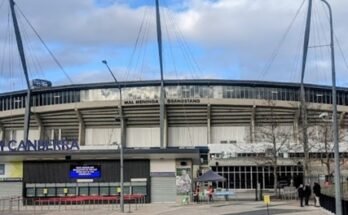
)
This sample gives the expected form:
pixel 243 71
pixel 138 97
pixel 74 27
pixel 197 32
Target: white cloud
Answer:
pixel 235 38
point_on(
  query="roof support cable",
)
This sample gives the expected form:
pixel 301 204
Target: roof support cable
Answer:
pixel 275 52
pixel 338 42
pixel 137 42
pixel 30 54
pixel 323 40
pixel 46 47
pixel 186 50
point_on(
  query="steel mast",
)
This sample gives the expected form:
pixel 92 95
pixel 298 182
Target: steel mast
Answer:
pixel 25 70
pixel 302 90
pixel 162 93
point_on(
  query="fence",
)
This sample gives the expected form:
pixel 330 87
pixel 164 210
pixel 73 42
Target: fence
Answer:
pixel 86 203
pixel 328 203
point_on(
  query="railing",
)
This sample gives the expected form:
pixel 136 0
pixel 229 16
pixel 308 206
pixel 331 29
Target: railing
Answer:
pixel 328 203
pixel 83 203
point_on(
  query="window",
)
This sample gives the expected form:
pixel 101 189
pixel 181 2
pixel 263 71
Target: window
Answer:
pixel 2 169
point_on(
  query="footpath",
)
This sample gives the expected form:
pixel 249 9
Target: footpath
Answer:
pixel 218 208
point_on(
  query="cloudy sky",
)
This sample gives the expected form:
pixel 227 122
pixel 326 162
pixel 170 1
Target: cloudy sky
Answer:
pixel 218 39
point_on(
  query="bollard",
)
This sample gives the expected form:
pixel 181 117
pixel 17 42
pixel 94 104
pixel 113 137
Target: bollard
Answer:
pixel 40 204
pixel 34 203
pixel 10 204
pixel 18 204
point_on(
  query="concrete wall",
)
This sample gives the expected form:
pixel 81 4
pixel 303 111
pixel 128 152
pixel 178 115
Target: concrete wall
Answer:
pixel 187 136
pixel 162 166
pixel 234 133
pixel 143 137
pixel 102 136
pixel 33 134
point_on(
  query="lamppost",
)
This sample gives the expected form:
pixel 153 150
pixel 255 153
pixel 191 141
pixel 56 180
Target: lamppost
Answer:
pixel 122 135
pixel 334 117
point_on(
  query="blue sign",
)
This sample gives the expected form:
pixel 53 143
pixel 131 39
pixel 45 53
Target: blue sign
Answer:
pixel 85 172
pixel 38 145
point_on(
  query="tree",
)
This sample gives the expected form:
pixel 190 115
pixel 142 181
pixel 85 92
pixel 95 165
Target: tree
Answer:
pixel 277 136
pixel 321 138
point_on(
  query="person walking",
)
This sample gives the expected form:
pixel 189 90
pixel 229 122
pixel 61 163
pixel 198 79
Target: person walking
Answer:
pixel 307 194
pixel 196 194
pixel 317 193
pixel 210 193
pixel 300 194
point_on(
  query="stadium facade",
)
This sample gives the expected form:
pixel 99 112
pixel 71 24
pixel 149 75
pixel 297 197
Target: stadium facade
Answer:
pixel 75 131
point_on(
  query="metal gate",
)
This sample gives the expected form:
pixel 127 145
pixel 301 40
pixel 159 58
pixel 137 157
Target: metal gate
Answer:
pixel 10 189
pixel 163 189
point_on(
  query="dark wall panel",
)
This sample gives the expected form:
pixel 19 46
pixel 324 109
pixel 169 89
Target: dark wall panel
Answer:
pixel 58 171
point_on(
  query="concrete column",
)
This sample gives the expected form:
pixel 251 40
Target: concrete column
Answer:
pixel 263 176
pixel 165 129
pixel 341 122
pixel 52 134
pixel 251 176
pixel 123 126
pixel 208 124
pixel 2 132
pixel 82 129
pixel 296 126
pixel 40 126
pixel 252 125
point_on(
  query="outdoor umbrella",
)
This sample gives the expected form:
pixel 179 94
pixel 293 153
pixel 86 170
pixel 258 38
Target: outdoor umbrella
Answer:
pixel 210 175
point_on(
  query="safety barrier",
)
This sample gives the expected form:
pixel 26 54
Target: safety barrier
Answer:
pixel 13 204
pixel 328 203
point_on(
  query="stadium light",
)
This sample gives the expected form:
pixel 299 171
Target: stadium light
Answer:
pixel 122 141
pixel 334 117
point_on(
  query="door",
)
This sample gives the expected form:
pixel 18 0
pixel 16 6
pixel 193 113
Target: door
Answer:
pixel 10 189
pixel 163 189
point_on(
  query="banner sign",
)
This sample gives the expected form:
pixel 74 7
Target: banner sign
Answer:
pixel 39 145
pixel 85 172
pixel 167 101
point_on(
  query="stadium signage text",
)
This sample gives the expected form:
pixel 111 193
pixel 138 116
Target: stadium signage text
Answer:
pixel 168 101
pixel 38 145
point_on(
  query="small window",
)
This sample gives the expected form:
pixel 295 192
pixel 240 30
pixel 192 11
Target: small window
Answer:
pixel 2 169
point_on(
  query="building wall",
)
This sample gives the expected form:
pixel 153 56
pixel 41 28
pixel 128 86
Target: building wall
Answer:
pixel 102 136
pixel 162 166
pixel 10 171
pixel 58 171
pixel 230 133
pixel 187 136
pixel 33 135
pixel 143 137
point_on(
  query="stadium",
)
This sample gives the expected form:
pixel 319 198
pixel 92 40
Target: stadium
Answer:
pixel 75 133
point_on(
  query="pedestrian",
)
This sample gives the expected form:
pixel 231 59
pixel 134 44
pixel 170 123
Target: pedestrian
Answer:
pixel 307 193
pixel 210 193
pixel 196 194
pixel 317 193
pixel 300 194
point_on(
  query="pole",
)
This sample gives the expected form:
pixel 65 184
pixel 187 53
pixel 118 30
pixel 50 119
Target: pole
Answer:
pixel 159 41
pixel 25 70
pixel 302 90
pixel 122 134
pixel 334 116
